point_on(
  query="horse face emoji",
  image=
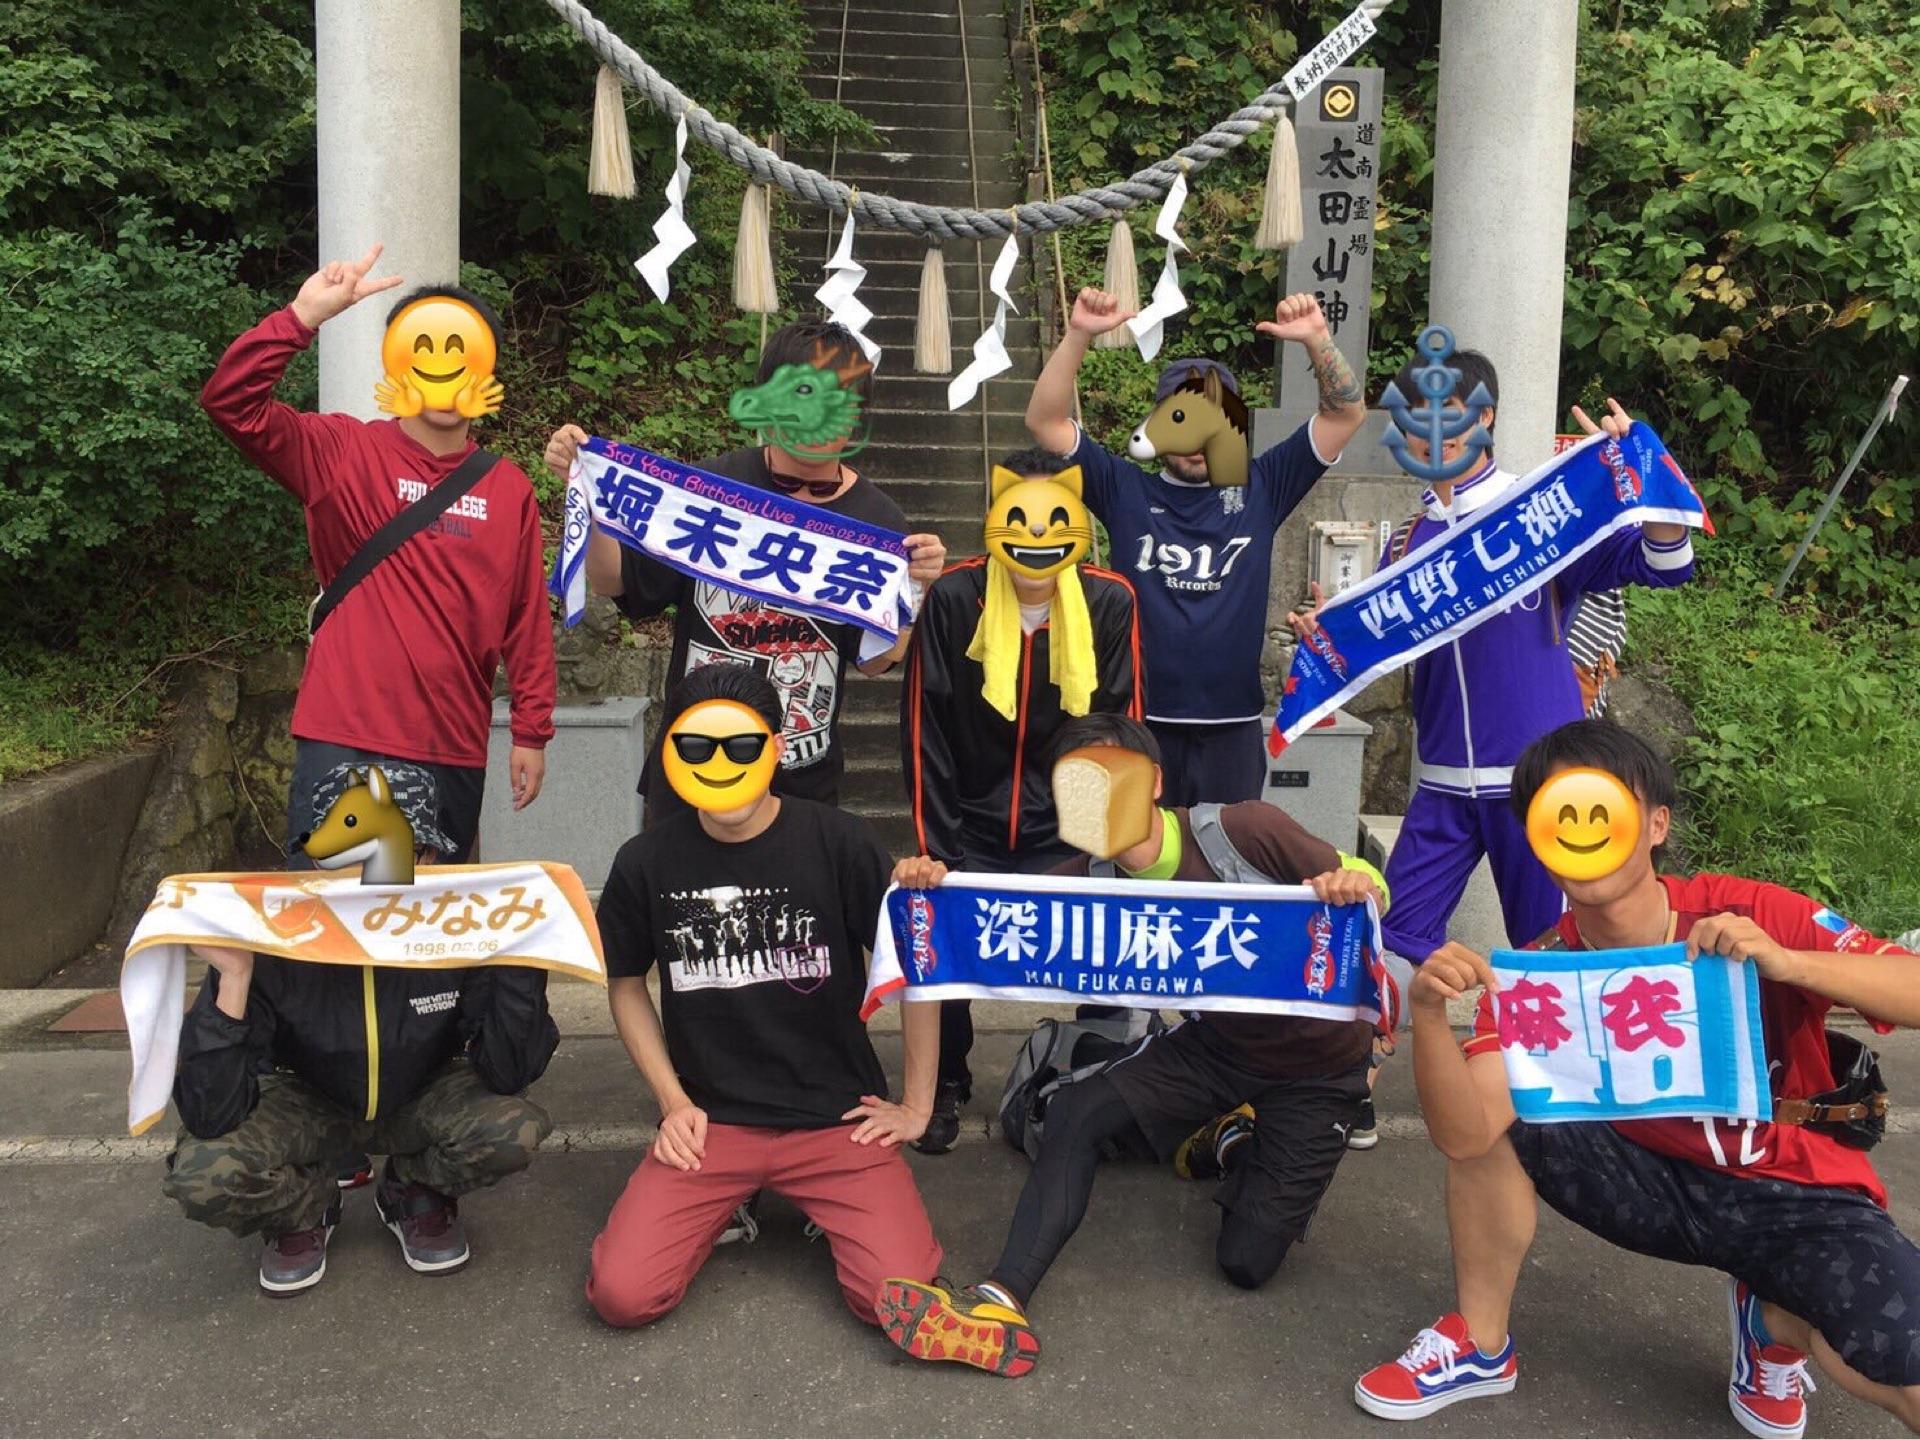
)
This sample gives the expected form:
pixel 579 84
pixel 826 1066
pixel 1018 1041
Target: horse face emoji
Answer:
pixel 1202 417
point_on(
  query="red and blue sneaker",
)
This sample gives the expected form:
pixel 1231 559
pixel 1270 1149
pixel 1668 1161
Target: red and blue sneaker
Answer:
pixel 1442 1366
pixel 1767 1392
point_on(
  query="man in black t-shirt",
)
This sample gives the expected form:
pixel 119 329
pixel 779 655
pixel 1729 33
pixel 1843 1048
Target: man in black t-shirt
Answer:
pixel 757 916
pixel 1305 1077
pixel 805 658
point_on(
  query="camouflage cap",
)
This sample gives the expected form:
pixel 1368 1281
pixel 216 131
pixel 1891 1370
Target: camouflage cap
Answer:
pixel 415 791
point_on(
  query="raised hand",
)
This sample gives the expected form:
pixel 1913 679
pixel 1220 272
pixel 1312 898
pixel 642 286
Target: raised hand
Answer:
pixel 1304 621
pixel 562 446
pixel 481 395
pixel 1615 423
pixel 1095 312
pixel 926 558
pixel 1297 317
pixel 337 285
pixel 399 397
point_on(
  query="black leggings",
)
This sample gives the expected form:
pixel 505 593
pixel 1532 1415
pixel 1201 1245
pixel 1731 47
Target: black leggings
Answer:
pixel 1081 1121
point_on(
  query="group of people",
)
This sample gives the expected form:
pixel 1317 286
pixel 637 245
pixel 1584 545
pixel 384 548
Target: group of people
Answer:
pixel 756 897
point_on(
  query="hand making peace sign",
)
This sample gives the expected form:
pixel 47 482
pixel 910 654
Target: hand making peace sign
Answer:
pixel 335 286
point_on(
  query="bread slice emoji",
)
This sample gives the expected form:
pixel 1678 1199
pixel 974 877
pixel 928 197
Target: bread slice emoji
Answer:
pixel 1103 796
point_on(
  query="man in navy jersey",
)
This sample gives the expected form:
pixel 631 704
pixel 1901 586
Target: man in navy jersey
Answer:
pixel 1200 556
pixel 1791 1210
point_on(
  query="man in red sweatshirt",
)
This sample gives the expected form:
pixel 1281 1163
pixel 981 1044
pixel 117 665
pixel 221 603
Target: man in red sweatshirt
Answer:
pixel 404 668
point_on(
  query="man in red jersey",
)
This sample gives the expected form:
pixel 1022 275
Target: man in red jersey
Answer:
pixel 404 668
pixel 1793 1214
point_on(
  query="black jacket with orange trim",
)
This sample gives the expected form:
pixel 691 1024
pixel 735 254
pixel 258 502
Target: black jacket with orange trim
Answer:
pixel 977 783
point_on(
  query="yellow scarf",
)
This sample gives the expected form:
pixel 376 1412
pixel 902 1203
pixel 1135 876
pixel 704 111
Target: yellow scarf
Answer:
pixel 1071 665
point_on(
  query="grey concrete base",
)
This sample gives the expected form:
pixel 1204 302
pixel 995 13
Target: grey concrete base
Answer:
pixel 1477 924
pixel 125 1320
pixel 588 806
pixel 61 838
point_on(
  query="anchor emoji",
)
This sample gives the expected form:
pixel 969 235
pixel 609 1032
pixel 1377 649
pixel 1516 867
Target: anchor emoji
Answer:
pixel 1432 421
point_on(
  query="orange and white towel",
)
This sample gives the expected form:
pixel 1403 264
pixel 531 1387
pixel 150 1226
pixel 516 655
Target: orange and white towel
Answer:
pixel 452 917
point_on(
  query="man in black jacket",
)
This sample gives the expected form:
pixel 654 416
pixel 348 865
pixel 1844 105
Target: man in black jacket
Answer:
pixel 284 1066
pixel 976 775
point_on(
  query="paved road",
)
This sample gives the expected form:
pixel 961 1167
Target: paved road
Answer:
pixel 122 1319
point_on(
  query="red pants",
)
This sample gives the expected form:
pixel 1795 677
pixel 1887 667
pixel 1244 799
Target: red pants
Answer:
pixel 664 1224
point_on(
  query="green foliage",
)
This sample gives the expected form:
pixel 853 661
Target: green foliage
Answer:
pixel 1806 770
pixel 1744 245
pixel 157 197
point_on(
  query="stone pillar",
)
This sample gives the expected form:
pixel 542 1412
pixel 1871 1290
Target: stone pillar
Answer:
pixel 387 92
pixel 1503 152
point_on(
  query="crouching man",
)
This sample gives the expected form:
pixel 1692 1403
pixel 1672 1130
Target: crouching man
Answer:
pixel 1795 1218
pixel 756 908
pixel 287 1065
pixel 1306 1077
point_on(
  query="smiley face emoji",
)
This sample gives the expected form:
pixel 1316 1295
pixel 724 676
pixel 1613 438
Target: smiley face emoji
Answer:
pixel 439 354
pixel 1583 824
pixel 719 755
pixel 1037 527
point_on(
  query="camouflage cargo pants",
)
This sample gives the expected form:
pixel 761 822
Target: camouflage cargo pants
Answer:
pixel 276 1170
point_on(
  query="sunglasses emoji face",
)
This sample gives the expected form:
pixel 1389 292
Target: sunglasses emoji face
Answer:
pixel 1038 527
pixel 719 755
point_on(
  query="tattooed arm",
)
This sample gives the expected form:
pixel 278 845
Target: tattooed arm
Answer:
pixel 1342 408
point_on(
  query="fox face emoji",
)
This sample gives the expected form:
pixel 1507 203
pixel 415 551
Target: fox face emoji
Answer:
pixel 365 828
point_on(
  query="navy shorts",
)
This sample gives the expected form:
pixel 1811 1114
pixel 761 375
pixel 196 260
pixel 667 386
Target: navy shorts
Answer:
pixel 1211 764
pixel 1830 1256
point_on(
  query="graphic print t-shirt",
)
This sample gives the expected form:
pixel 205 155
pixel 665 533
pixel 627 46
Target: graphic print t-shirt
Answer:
pixel 1794 1021
pixel 761 948
pixel 805 658
pixel 1200 560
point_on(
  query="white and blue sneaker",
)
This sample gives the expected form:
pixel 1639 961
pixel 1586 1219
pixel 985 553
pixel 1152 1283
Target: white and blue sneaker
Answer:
pixel 1768 1389
pixel 1442 1366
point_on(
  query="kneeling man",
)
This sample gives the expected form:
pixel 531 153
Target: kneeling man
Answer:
pixel 1794 1217
pixel 756 907
pixel 1306 1077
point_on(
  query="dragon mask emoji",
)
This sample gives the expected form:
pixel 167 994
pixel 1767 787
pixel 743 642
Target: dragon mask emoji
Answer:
pixel 1037 527
pixel 810 411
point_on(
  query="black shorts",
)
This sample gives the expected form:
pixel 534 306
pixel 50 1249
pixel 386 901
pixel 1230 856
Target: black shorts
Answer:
pixel 1177 1081
pixel 1211 763
pixel 1830 1256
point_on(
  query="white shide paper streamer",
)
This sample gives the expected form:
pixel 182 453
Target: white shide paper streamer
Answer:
pixel 837 293
pixel 672 235
pixel 990 356
pixel 1148 325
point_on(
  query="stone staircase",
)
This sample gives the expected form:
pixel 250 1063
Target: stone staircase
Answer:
pixel 905 72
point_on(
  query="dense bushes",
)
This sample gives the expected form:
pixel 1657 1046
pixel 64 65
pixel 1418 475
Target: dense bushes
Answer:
pixel 157 196
pixel 1744 254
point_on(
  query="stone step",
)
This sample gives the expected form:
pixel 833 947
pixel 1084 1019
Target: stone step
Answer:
pixel 931 55
pixel 1006 430
pixel 868 168
pixel 945 504
pixel 891 22
pixel 988 195
pixel 858 91
pixel 869 695
pixel 896 327
pixel 872 784
pixel 892 257
pixel 886 113
pixel 905 458
pixel 992 135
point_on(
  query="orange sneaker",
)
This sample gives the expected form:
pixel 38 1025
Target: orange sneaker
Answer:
pixel 977 1325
